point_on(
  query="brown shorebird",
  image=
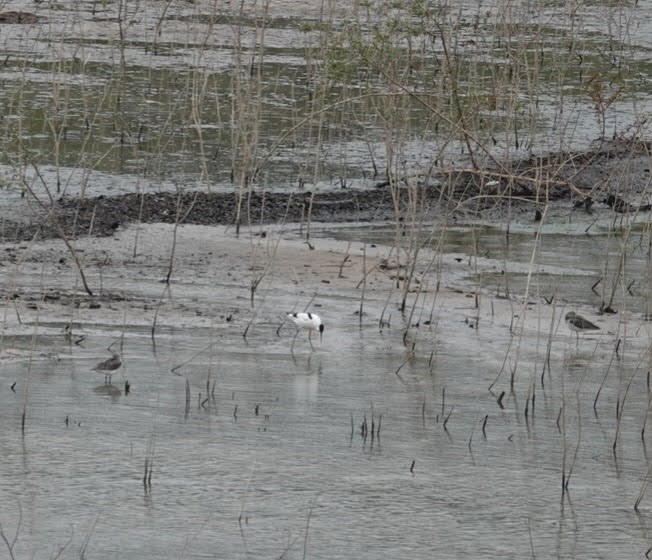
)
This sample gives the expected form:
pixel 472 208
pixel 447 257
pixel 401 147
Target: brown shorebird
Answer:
pixel 579 324
pixel 107 367
pixel 620 205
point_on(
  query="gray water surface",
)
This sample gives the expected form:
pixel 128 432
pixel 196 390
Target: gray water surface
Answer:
pixel 113 98
pixel 270 466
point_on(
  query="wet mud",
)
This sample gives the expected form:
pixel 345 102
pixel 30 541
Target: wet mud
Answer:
pixel 585 179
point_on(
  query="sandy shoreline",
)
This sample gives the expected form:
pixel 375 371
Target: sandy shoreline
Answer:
pixel 214 269
pixel 126 260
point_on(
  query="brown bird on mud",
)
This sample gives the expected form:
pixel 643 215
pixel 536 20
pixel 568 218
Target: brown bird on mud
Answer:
pixel 107 367
pixel 618 204
pixel 579 324
pixel 585 203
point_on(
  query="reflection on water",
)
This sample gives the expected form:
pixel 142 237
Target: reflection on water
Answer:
pixel 270 459
pixel 161 96
pixel 605 267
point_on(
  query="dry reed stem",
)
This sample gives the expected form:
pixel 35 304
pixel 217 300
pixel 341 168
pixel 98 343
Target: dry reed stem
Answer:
pixel 51 215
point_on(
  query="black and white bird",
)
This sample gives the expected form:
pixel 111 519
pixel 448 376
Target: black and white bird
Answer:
pixel 309 321
pixel 579 324
pixel 107 367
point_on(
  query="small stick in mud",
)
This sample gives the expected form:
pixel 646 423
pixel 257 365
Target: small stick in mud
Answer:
pixel 431 359
pixel 344 261
pixel 620 406
pixel 412 466
pixel 382 323
pixel 646 481
pixel 447 418
pixel 484 426
pixel 364 278
pixel 593 288
pixel 500 400
pixel 178 366
pixel 597 394
pixel 149 465
pixel 647 412
pixel 406 361
pixel 471 435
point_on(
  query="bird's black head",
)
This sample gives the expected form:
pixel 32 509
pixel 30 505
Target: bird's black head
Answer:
pixel 321 331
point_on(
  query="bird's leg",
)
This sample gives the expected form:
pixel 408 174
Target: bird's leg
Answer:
pixel 577 342
pixel 310 340
pixel 293 340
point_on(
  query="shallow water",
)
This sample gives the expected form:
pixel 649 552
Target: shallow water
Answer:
pixel 231 482
pixel 266 463
pixel 113 98
pixel 269 465
pixel 561 263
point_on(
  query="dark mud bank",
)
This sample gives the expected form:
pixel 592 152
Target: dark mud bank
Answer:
pixel 622 169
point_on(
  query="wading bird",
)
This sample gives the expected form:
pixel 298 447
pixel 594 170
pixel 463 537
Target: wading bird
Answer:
pixel 308 321
pixel 107 367
pixel 620 205
pixel 579 324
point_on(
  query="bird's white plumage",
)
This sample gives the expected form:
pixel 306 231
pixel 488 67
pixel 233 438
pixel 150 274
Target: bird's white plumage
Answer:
pixel 308 321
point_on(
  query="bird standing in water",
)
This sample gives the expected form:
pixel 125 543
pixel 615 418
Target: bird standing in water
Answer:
pixel 579 324
pixel 310 322
pixel 107 367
